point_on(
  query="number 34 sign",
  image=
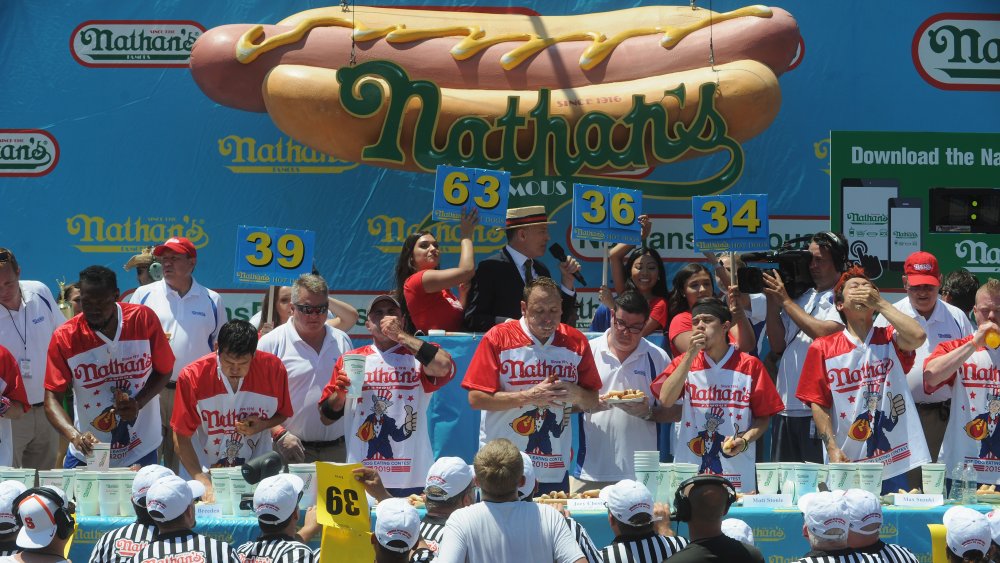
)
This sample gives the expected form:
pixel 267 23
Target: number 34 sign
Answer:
pixel 272 256
pixel 730 222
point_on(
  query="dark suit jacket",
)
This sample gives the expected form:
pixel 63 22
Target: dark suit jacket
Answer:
pixel 497 290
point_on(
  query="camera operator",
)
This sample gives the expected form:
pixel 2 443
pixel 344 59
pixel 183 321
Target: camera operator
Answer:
pixel 792 325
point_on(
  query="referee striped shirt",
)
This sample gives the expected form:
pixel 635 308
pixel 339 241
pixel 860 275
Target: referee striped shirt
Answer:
pixel 274 549
pixel 185 546
pixel 9 548
pixel 122 544
pixel 840 556
pixel 653 548
pixel 432 530
pixel 586 544
pixel 891 553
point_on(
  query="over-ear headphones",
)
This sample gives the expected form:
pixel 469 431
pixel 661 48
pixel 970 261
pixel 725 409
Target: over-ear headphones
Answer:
pixel 682 504
pixel 62 516
pixel 838 248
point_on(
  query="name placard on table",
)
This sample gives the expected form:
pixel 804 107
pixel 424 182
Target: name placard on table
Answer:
pixel 908 499
pixel 767 501
pixel 585 505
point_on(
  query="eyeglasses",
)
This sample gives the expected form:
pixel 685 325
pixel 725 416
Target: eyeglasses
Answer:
pixel 633 329
pixel 311 309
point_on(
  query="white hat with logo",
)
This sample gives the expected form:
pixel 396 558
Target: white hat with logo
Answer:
pixel 627 499
pixel 144 478
pixel 397 525
pixel 447 477
pixel 526 490
pixel 38 514
pixel 967 530
pixel 993 517
pixel 277 497
pixel 738 530
pixel 170 496
pixel 825 514
pixel 864 511
pixel 9 490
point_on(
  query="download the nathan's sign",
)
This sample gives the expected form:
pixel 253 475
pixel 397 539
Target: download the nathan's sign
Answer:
pixel 615 93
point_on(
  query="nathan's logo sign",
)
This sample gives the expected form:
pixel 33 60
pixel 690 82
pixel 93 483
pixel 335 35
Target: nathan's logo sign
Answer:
pixel 134 43
pixel 247 155
pixel 954 51
pixel 391 231
pixel 978 255
pixel 95 233
pixel 27 152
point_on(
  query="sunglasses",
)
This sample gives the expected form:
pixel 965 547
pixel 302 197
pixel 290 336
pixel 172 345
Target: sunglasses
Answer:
pixel 311 309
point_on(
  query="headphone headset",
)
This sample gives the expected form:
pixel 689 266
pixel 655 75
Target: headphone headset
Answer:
pixel 682 504
pixel 62 516
pixel 838 249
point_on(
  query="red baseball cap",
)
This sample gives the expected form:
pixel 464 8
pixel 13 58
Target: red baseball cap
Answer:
pixel 179 245
pixel 921 268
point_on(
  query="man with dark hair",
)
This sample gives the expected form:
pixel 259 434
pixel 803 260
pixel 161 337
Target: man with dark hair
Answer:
pixel 709 502
pixel 226 403
pixel 170 502
pixel 117 360
pixel 122 544
pixel 26 328
pixel 527 376
pixel 612 433
pixel 639 536
pixel 501 528
pixel 959 289
pixel 275 502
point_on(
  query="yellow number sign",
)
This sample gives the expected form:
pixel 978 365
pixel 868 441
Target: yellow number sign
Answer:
pixel 342 510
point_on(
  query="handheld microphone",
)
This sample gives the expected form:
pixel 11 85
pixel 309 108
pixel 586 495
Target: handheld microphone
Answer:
pixel 559 254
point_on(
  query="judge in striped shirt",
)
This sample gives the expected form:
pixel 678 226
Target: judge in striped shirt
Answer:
pixel 122 544
pixel 865 511
pixel 449 487
pixel 276 504
pixel 827 524
pixel 639 537
pixel 170 503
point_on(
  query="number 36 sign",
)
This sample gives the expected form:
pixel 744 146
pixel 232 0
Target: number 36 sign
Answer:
pixel 272 256
pixel 606 214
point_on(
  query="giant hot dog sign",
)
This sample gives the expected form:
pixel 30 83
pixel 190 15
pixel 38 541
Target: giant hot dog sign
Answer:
pixel 616 93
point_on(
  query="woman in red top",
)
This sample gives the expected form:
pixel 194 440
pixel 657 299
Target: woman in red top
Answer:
pixel 423 290
pixel 642 270
pixel 694 282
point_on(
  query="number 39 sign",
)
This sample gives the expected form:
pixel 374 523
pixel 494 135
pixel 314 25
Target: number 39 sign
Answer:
pixel 272 256
pixel 342 510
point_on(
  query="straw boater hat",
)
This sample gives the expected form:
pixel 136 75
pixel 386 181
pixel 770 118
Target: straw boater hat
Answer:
pixel 142 260
pixel 527 216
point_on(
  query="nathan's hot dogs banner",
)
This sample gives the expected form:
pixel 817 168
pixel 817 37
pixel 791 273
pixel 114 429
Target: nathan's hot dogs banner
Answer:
pixel 123 124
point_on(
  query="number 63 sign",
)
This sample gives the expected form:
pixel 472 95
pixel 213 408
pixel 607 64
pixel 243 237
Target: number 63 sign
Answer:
pixel 272 256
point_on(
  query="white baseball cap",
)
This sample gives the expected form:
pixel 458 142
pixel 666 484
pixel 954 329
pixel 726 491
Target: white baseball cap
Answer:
pixel 825 515
pixel 993 517
pixel 397 525
pixel 967 530
pixel 38 511
pixel 626 499
pixel 144 478
pixel 864 510
pixel 525 490
pixel 277 497
pixel 738 530
pixel 9 490
pixel 170 496
pixel 448 475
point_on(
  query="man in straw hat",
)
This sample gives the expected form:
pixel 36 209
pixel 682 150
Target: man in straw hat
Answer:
pixel 498 285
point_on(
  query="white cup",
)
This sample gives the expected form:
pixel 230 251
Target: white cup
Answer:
pixel 109 491
pixel 870 477
pixel 841 476
pixel 683 472
pixel 665 477
pixel 237 488
pixel 767 478
pixel 354 367
pixel 805 476
pixel 932 477
pixel 822 474
pixel 125 479
pixel 51 478
pixel 307 472
pixel 87 493
pixel 650 479
pixel 99 458
pixel 223 494
pixel 69 482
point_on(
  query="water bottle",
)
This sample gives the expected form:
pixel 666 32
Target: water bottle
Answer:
pixel 970 478
pixel 957 483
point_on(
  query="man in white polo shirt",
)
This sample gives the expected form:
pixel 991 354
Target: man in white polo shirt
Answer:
pixel 309 348
pixel 190 314
pixel 31 315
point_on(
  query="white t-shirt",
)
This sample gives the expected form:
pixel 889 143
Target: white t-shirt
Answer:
pixel 609 439
pixel 817 305
pixel 26 333
pixel 97 366
pixel 510 358
pixel 863 383
pixel 947 322
pixel 973 432
pixel 507 531
pixel 308 372
pixel 191 323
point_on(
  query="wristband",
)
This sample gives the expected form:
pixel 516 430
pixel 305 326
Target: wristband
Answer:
pixel 426 353
pixel 326 410
pixel 649 413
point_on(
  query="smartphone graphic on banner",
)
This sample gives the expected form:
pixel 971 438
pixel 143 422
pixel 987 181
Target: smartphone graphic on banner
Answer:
pixel 905 230
pixel 865 203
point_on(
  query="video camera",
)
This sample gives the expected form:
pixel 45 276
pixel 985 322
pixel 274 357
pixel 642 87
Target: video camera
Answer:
pixel 793 267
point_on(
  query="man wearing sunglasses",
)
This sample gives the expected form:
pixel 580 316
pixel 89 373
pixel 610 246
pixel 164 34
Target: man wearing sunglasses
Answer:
pixel 613 432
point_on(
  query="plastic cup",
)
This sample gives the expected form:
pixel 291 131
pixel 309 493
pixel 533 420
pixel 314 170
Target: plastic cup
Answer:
pixel 932 477
pixel 822 473
pixel 870 477
pixel 223 493
pixel 99 458
pixel 663 491
pixel 767 478
pixel 307 472
pixel 87 493
pixel 805 475
pixel 683 472
pixel 51 478
pixel 354 366
pixel 69 482
pixel 237 488
pixel 125 479
pixel 841 476
pixel 109 489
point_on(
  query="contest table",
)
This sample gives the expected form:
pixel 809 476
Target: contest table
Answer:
pixel 778 532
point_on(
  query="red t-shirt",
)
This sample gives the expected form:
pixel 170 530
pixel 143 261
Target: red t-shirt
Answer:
pixel 658 310
pixel 11 384
pixel 680 324
pixel 428 310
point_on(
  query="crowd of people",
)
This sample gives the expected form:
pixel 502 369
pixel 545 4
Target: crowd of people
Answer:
pixel 831 373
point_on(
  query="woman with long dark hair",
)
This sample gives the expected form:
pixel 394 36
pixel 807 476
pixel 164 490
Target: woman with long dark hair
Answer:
pixel 423 290
pixel 694 282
